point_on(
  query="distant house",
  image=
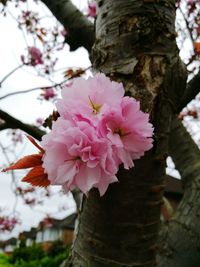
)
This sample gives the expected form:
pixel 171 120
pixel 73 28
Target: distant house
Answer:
pixel 29 237
pixel 48 231
pixel 8 246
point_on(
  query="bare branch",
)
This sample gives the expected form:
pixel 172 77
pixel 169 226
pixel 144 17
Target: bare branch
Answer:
pixel 27 91
pixel 10 73
pixel 192 89
pixel 76 74
pixel 3 126
pixel 14 123
pixel 187 156
pixel 81 30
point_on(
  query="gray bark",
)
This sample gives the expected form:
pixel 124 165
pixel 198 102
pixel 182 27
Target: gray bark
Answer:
pixel 180 240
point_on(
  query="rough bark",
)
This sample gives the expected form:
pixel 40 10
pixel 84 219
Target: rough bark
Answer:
pixel 80 29
pixel 135 44
pixel 181 238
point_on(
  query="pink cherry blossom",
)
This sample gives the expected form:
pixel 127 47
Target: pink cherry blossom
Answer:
pixel 128 129
pixel 92 97
pixel 48 93
pixel 35 55
pixel 92 9
pixel 7 223
pixel 98 129
pixel 76 157
pixel 39 122
pixel 64 32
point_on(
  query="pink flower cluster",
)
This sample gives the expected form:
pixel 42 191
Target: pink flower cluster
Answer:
pixel 48 93
pixel 7 224
pixel 35 57
pixel 98 129
pixel 92 9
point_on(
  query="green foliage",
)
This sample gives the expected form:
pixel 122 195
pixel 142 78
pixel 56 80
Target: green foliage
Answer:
pixel 56 248
pixel 4 261
pixel 27 254
pixel 34 256
pixel 44 262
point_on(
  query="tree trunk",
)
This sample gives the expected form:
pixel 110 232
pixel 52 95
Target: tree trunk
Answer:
pixel 135 44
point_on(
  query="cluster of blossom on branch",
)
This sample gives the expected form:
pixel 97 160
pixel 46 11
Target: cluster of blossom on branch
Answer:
pixel 98 129
pixel 42 38
pixel 92 9
pixel 7 223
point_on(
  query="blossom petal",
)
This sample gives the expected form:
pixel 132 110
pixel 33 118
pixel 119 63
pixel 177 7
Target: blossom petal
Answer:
pixel 66 172
pixel 87 177
pixel 104 183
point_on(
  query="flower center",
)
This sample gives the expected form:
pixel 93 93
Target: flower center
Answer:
pixel 74 159
pixel 96 107
pixel 119 131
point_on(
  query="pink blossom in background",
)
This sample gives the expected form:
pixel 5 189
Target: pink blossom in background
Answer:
pixel 39 121
pixel 7 223
pixel 76 157
pixel 16 136
pixel 92 9
pixel 64 32
pixel 36 56
pixel 48 93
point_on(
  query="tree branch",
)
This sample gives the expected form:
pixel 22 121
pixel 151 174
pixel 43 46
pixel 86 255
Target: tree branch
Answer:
pixel 192 89
pixel 176 251
pixel 74 75
pixel 3 126
pixel 187 156
pixel 81 30
pixel 13 123
pixel 10 73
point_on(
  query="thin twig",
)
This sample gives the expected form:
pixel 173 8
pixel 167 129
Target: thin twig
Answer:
pixel 43 87
pixel 10 73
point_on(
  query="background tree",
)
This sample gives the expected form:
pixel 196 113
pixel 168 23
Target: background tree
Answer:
pixel 135 44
